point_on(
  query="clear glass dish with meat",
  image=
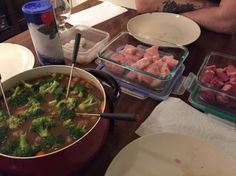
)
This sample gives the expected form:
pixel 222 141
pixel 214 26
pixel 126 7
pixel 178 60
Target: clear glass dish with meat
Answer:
pixel 137 63
pixel 215 88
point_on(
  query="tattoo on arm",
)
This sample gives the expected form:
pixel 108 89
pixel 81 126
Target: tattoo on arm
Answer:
pixel 172 6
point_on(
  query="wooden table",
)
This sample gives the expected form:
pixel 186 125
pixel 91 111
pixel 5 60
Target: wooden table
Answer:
pixel 124 132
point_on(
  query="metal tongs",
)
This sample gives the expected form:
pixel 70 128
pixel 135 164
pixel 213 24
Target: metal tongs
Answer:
pixel 74 57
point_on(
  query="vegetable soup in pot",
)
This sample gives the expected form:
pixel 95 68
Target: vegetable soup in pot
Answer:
pixel 42 119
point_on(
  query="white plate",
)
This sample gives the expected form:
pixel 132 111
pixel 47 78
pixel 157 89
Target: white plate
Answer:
pixel 168 27
pixel 169 154
pixel 14 59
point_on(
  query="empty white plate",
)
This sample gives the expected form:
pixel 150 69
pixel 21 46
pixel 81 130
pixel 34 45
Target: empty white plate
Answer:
pixel 14 59
pixel 169 27
pixel 170 154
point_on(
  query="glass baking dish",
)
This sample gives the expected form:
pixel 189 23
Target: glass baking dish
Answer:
pixel 215 88
pixel 127 69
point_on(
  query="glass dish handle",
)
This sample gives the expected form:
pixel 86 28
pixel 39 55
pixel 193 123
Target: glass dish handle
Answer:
pixel 190 82
pixel 185 83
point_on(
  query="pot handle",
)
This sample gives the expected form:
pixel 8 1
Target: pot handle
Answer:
pixel 112 96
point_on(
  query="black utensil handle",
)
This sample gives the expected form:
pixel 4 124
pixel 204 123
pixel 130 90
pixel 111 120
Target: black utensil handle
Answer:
pixel 115 88
pixel 120 116
pixel 76 47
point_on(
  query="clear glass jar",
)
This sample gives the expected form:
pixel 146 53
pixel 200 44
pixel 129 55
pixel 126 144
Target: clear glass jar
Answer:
pixel 44 33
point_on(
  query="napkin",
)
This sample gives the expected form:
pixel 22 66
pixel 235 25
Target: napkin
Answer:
pixel 96 14
pixel 175 116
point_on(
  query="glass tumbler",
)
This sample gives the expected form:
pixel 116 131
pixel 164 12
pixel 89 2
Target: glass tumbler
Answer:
pixel 62 10
pixel 44 33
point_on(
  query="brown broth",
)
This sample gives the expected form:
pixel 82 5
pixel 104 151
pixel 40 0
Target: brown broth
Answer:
pixel 50 110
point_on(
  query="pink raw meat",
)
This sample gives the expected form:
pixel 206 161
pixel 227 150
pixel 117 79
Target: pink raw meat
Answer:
pixel 170 61
pixel 231 70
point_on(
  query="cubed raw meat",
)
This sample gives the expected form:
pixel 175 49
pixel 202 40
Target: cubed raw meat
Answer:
pixel 118 57
pixel 227 87
pixel 142 63
pixel 221 73
pixel 132 75
pixel 222 99
pixel 169 59
pixel 217 83
pixel 207 94
pixel 210 67
pixel 221 78
pixel 114 68
pixel 155 83
pixel 232 80
pixel 152 53
pixel 130 59
pixel 145 78
pixel 164 70
pixel 140 53
pixel 231 70
pixel 143 59
pixel 129 49
pixel 207 75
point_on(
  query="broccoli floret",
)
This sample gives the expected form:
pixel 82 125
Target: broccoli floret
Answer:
pixel 15 121
pixel 48 88
pixel 35 99
pixel 3 132
pixel 79 90
pixel 59 91
pixel 52 142
pixel 74 130
pixel 19 97
pixel 70 103
pixel 54 77
pixel 9 147
pixel 3 126
pixel 3 117
pixel 89 103
pixel 27 85
pixel 24 148
pixel 61 103
pixel 19 147
pixel 42 125
pixel 66 113
pixel 67 108
pixel 32 87
pixel 34 110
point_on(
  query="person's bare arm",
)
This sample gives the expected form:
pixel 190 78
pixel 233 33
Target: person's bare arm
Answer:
pixel 144 6
pixel 175 6
pixel 219 19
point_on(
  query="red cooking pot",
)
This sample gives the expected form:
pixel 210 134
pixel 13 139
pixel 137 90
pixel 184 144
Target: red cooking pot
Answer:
pixel 72 157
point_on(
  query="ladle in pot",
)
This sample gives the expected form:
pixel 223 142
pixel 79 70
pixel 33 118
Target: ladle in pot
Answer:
pixel 4 97
pixel 74 57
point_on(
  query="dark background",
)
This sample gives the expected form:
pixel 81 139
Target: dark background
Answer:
pixel 11 18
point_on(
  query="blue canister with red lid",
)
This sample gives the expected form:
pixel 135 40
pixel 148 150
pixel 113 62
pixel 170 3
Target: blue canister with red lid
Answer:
pixel 44 33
